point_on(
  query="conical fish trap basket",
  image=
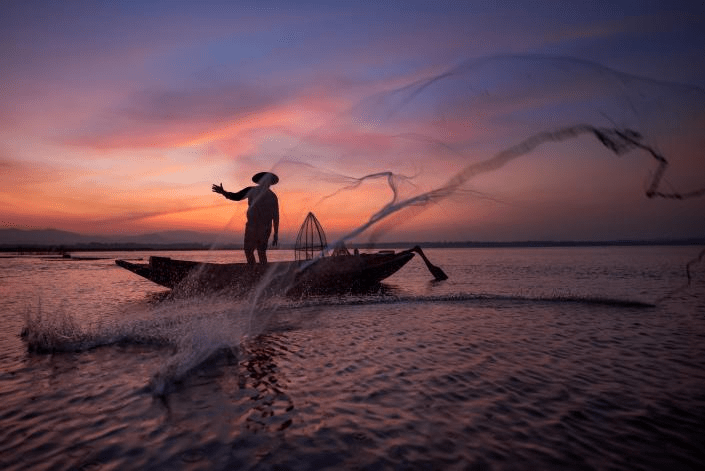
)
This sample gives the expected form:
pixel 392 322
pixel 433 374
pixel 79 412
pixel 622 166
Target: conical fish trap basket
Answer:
pixel 311 240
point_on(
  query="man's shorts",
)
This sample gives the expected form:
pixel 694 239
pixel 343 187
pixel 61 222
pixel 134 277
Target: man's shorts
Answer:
pixel 256 238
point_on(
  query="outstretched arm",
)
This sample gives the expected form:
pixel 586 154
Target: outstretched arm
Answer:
pixel 240 195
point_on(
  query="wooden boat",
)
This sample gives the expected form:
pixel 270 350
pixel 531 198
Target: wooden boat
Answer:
pixel 311 272
pixel 324 274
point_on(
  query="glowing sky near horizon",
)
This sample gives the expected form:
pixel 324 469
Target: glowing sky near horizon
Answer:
pixel 116 117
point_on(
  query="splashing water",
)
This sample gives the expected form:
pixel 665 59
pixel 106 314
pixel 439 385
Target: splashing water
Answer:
pixel 194 329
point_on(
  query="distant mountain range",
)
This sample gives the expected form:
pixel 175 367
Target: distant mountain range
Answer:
pixel 57 238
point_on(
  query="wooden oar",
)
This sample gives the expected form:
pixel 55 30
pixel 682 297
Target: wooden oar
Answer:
pixel 437 273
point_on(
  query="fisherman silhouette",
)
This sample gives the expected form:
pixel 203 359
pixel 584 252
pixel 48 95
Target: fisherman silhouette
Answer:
pixel 262 214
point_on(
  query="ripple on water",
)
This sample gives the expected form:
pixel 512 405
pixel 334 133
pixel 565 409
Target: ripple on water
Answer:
pixel 430 381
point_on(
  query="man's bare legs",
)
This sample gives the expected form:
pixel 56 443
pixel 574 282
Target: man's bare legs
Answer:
pixel 250 255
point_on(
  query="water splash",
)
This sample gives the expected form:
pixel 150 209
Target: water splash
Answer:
pixel 56 332
pixel 192 329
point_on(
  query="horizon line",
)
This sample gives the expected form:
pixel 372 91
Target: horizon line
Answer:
pixel 142 246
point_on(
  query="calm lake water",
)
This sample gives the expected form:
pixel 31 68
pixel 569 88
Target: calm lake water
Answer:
pixel 543 358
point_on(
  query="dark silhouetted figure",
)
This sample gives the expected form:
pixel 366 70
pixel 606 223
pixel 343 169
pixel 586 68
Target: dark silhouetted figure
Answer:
pixel 262 214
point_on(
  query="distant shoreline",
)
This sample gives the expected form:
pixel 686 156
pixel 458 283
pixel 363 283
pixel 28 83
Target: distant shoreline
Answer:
pixel 126 247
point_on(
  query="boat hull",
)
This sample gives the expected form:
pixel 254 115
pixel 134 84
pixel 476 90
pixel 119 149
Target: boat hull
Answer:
pixel 325 274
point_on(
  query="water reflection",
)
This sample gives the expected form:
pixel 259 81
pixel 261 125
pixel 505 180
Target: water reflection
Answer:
pixel 272 409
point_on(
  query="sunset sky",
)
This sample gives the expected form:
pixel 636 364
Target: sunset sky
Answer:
pixel 117 117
